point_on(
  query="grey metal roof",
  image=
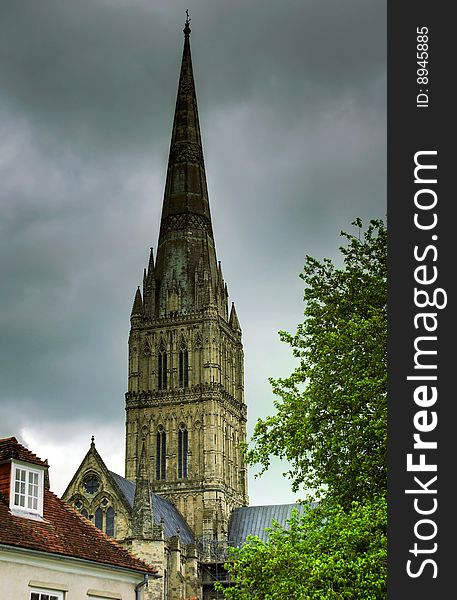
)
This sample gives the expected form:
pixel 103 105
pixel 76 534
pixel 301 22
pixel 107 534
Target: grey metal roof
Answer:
pixel 162 509
pixel 253 520
pixel 127 487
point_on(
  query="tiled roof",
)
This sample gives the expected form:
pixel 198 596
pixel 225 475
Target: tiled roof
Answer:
pixel 10 448
pixel 253 520
pixel 63 531
pixel 163 510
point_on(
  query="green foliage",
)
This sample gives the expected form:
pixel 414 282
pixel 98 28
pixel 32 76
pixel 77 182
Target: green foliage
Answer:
pixel 329 553
pixel 331 414
pixel 331 425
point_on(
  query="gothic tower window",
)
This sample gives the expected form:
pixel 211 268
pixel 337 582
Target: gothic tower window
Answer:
pixel 99 518
pixel 103 519
pixel 183 368
pixel 198 360
pixel 161 449
pixel 183 447
pixel 162 368
pixel 109 521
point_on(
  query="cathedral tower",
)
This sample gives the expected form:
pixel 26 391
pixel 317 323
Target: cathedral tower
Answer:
pixel 185 403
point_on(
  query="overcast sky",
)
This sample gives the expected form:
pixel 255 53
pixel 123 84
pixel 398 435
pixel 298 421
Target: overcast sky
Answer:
pixel 292 105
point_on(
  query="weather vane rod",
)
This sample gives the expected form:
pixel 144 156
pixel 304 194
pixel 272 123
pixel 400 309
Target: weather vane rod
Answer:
pixel 187 23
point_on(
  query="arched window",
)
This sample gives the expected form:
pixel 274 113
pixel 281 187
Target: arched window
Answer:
pixel 183 368
pixel 109 521
pixel 161 449
pixel 162 369
pixel 99 518
pixel 85 513
pixel 197 360
pixel 183 445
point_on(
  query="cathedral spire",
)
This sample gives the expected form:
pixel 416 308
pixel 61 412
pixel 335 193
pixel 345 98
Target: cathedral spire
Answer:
pixel 186 232
pixel 186 351
pixel 185 189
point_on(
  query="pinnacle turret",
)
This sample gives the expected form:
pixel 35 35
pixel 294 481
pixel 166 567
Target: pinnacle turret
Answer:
pixel 137 308
pixel 142 518
pixel 151 263
pixel 233 320
pixel 149 287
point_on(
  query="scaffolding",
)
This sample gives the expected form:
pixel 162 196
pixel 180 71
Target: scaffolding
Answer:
pixel 213 557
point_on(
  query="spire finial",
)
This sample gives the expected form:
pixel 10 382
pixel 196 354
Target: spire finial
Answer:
pixel 92 441
pixel 186 29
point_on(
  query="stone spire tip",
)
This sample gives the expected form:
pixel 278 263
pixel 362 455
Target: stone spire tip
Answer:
pixel 187 29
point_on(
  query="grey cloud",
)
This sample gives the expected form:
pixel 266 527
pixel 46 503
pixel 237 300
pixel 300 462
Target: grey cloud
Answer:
pixel 292 107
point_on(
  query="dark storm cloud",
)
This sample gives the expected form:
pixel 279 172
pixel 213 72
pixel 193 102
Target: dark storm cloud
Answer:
pixel 79 72
pixel 292 108
pixel 105 71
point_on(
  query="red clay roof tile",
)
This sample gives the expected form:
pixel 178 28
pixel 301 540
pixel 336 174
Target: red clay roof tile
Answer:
pixel 10 448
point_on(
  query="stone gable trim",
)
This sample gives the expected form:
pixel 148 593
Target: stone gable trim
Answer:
pixel 106 472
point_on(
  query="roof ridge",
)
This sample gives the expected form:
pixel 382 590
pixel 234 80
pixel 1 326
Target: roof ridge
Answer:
pixel 279 504
pixel 11 448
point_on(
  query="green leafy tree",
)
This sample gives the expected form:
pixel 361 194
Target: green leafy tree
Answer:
pixel 329 553
pixel 331 425
pixel 331 413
